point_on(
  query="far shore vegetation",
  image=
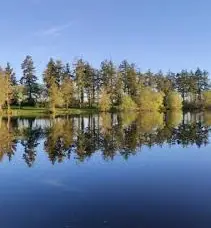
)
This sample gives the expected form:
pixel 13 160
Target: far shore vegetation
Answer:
pixel 80 88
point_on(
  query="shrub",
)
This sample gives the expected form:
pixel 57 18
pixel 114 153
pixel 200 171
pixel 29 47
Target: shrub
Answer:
pixel 207 99
pixel 174 101
pixel 150 100
pixel 127 103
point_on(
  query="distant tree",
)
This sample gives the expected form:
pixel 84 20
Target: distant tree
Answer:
pixel 150 79
pixel 119 91
pixel 67 90
pixel 183 83
pixel 60 72
pixel 9 71
pixel 108 78
pixel 90 83
pixel 67 72
pixel 29 79
pixel 19 92
pixel 105 101
pixel 9 89
pixel 207 99
pixel 202 82
pixel 129 77
pixel 127 103
pixel 80 77
pixel 174 101
pixel 3 90
pixel 50 78
pixel 50 73
pixel 149 100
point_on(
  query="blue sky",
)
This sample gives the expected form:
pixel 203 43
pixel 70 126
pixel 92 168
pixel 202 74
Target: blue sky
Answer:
pixel 155 34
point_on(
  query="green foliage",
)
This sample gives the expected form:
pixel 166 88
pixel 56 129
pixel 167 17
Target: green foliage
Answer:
pixel 105 101
pixel 150 100
pixel 84 86
pixel 29 79
pixel 19 94
pixel 173 101
pixel 127 103
pixel 80 77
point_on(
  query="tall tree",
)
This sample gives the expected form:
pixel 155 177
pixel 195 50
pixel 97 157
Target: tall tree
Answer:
pixel 202 82
pixel 50 78
pixel 9 70
pixel 108 78
pixel 90 83
pixel 80 77
pixel 183 83
pixel 9 87
pixel 3 94
pixel 29 79
pixel 129 77
pixel 59 72
pixel 67 90
pixel 67 72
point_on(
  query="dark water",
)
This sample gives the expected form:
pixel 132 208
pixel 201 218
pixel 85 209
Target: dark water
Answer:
pixel 126 170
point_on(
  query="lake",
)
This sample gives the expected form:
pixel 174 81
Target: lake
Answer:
pixel 108 170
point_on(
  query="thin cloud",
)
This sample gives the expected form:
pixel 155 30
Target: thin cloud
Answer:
pixel 55 31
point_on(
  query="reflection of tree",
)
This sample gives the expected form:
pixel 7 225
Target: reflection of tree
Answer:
pixel 207 118
pixel 189 134
pixel 59 139
pixel 30 138
pixel 109 134
pixel 7 138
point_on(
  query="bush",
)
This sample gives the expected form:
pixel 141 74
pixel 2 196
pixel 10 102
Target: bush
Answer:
pixel 127 103
pixel 207 99
pixel 173 101
pixel 150 100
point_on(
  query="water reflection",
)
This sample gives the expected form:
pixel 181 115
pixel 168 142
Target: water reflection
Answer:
pixel 79 137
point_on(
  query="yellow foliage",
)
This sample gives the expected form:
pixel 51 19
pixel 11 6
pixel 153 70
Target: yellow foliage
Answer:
pixel 3 90
pixel 174 118
pixel 128 117
pixel 174 101
pixel 105 101
pixel 149 121
pixel 150 100
pixel 128 103
pixel 55 97
pixel 207 99
pixel 207 118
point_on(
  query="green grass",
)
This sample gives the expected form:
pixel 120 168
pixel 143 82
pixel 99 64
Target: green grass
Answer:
pixel 36 112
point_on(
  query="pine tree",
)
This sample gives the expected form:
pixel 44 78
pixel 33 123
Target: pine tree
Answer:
pixel 50 78
pixel 29 79
pixel 9 87
pixel 108 78
pixel 9 70
pixel 80 79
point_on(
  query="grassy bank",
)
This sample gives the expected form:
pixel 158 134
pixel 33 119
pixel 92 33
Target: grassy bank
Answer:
pixel 35 111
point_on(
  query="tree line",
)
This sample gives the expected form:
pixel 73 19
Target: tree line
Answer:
pixel 121 87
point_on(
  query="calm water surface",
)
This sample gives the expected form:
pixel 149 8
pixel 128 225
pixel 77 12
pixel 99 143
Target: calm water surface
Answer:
pixel 120 170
